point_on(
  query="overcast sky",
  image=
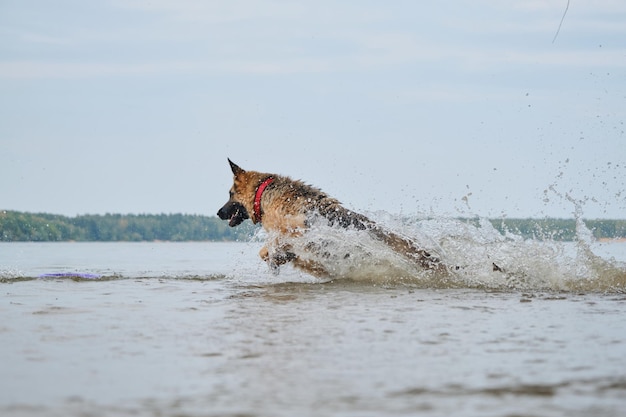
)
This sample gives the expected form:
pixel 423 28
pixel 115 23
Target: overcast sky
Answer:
pixel 462 107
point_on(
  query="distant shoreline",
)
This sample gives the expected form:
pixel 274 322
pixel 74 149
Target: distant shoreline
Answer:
pixel 43 227
pixel 612 239
pixel 18 226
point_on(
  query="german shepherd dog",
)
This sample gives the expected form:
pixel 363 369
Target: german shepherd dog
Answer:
pixel 286 209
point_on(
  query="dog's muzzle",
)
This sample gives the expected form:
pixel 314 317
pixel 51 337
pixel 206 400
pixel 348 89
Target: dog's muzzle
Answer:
pixel 234 212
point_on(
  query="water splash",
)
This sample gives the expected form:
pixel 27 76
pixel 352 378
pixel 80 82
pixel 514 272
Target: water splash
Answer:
pixel 477 255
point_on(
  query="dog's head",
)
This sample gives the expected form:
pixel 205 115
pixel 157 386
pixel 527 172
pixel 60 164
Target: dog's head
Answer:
pixel 235 208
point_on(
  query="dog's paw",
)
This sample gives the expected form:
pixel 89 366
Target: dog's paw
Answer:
pixel 275 260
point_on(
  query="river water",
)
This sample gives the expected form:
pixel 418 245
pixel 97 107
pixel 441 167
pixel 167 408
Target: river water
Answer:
pixel 205 329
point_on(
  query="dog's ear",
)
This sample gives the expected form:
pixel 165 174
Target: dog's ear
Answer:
pixel 236 169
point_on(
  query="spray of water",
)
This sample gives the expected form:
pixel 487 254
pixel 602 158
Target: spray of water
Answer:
pixel 477 256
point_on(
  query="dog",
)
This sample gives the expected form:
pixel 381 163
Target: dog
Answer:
pixel 286 209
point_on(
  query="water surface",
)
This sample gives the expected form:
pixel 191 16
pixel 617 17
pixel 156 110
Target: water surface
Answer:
pixel 204 329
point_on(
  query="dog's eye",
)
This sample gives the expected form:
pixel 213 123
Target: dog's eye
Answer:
pixel 231 193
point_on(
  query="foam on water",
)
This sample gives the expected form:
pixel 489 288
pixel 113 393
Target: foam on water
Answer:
pixel 477 257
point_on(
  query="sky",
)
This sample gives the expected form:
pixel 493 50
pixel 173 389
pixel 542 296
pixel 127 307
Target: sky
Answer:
pixel 447 108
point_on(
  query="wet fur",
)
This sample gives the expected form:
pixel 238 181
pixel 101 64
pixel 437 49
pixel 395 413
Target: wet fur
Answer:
pixel 287 208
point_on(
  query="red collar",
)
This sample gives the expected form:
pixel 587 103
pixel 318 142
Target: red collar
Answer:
pixel 257 198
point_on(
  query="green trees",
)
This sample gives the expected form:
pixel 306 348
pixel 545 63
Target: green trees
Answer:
pixel 560 229
pixel 18 226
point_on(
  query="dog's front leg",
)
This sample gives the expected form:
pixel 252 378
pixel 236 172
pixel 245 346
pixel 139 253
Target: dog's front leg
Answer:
pixel 276 254
pixel 277 258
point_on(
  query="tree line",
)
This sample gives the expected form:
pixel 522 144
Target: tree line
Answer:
pixel 560 229
pixel 42 227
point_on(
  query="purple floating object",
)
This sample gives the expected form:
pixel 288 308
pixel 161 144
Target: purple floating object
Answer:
pixel 70 275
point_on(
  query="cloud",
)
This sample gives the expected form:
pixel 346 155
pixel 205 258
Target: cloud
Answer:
pixel 275 38
pixel 45 39
pixel 252 10
pixel 46 69
pixel 369 53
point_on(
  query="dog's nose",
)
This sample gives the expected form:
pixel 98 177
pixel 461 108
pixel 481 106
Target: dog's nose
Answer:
pixel 221 213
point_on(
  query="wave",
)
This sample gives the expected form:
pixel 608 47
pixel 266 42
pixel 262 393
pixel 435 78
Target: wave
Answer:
pixel 8 277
